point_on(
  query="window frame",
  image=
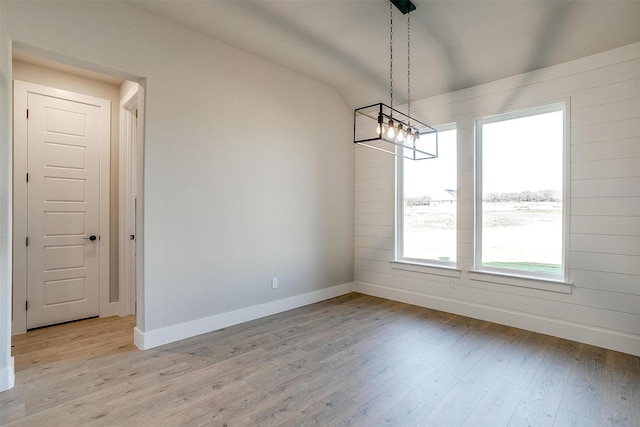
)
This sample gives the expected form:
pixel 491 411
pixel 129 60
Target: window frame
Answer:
pixel 479 271
pixel 401 262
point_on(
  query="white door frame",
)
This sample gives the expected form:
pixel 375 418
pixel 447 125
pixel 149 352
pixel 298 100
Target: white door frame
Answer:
pixel 20 206
pixel 127 196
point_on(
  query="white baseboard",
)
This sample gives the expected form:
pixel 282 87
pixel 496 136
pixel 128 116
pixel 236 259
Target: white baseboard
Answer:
pixel 158 337
pixel 601 337
pixel 7 376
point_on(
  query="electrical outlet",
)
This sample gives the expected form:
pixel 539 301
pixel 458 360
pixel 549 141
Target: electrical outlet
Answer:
pixel 453 284
pixel 274 283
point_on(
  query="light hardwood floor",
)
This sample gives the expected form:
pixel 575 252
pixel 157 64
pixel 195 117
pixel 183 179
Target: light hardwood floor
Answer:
pixel 354 360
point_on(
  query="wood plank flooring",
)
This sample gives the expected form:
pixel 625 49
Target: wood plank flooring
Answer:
pixel 353 360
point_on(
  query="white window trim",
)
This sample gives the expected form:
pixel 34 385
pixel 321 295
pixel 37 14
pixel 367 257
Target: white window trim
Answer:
pixel 429 266
pixel 557 283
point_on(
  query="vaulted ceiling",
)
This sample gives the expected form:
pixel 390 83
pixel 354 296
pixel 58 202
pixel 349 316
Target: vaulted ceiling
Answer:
pixel 455 43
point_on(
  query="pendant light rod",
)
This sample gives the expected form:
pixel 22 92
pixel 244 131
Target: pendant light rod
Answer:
pixel 409 64
pixel 391 54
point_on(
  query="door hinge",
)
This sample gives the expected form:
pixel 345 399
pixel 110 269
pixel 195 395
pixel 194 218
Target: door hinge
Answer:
pixel 136 113
pixel 27 113
pixel 26 305
pixel 26 241
pixel 27 177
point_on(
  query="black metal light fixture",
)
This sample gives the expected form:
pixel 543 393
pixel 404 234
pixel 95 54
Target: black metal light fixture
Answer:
pixel 378 125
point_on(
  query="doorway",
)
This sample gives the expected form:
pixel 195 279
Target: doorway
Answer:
pixel 66 294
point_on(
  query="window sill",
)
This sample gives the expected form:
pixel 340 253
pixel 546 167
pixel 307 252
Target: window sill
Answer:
pixel 522 281
pixel 439 270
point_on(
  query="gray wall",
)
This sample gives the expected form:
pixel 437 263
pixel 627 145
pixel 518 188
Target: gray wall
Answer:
pixel 248 168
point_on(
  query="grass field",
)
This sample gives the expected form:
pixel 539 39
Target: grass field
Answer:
pixel 522 236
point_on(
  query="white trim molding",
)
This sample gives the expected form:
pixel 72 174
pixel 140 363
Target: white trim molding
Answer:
pixel 601 337
pixel 127 197
pixel 7 376
pixel 158 337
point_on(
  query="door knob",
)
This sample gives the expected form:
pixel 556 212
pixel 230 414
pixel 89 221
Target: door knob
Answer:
pixel 92 237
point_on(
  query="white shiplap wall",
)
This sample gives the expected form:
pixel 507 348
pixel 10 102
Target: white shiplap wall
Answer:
pixel 603 307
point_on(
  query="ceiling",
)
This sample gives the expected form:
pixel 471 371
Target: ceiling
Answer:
pixel 454 43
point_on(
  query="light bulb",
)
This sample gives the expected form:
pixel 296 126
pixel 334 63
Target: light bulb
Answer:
pixel 416 138
pixel 409 140
pixel 391 131
pixel 380 127
pixel 400 136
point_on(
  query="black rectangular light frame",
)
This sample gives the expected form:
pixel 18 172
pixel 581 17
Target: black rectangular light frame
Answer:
pixel 364 132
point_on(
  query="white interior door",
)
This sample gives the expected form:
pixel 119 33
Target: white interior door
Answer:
pixel 63 258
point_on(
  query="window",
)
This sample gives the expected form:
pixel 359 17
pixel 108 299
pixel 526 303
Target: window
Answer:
pixel 427 204
pixel 520 186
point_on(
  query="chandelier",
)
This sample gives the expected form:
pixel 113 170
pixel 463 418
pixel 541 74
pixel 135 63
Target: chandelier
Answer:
pixel 378 125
